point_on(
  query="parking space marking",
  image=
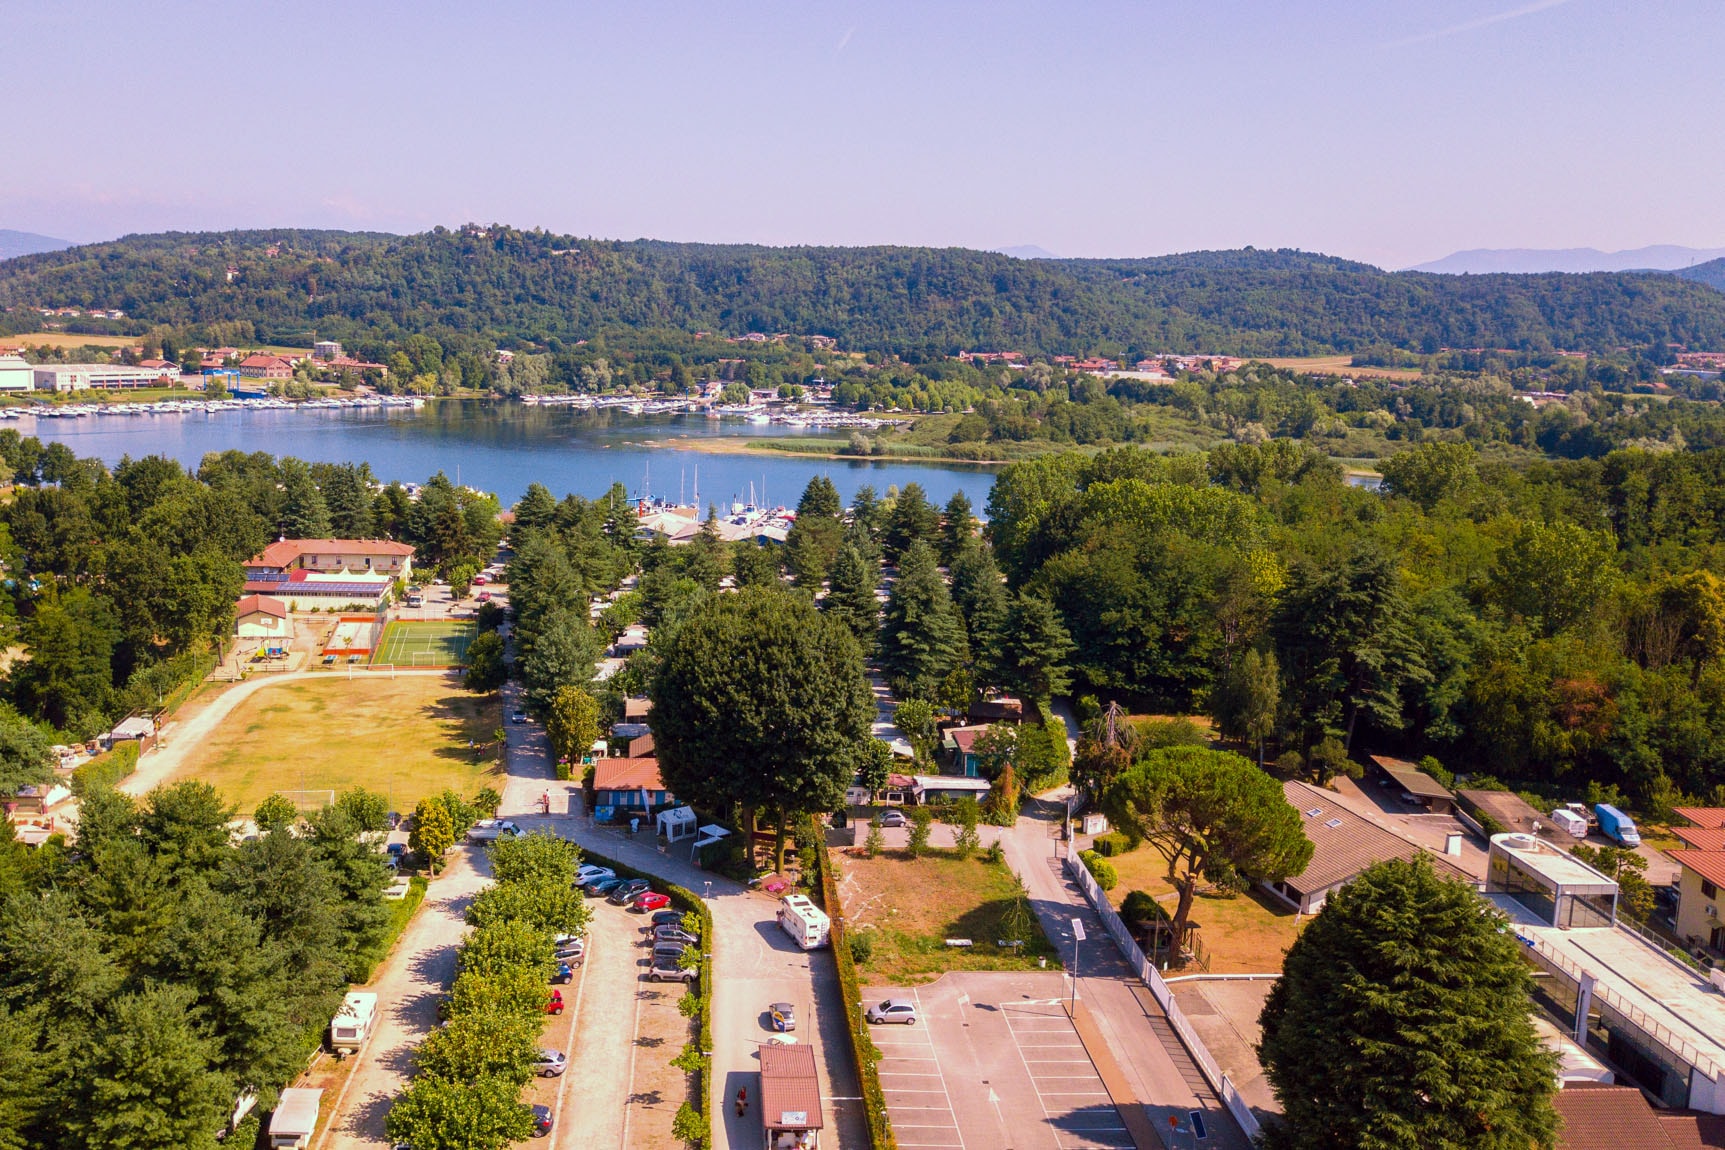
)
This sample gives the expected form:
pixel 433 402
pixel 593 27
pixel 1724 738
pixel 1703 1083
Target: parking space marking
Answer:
pixel 907 1100
pixel 1059 1091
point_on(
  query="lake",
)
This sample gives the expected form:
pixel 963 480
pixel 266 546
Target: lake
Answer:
pixel 504 447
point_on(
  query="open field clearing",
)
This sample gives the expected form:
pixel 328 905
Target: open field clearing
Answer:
pixel 908 908
pixel 1249 933
pixel 405 738
pixel 1339 365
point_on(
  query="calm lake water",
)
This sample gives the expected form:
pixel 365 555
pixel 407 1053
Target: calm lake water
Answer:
pixel 504 447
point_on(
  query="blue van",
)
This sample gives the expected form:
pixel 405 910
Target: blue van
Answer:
pixel 1617 826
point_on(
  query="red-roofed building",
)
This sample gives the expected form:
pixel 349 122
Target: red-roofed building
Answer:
pixel 266 367
pixel 1702 838
pixel 1703 816
pixel 333 556
pixel 632 782
pixel 1699 922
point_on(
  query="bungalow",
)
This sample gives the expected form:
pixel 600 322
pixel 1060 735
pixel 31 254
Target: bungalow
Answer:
pixel 941 788
pixel 263 619
pixel 959 743
pixel 1343 845
pixel 630 783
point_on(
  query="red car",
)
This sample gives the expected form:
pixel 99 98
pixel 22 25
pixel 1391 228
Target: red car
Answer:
pixel 484 597
pixel 555 1006
pixel 650 901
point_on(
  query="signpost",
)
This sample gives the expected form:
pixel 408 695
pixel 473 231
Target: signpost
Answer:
pixel 1077 937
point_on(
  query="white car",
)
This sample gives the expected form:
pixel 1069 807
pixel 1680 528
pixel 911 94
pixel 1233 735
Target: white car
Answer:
pixel 591 872
pixel 489 830
pixel 893 1010
pixel 550 1063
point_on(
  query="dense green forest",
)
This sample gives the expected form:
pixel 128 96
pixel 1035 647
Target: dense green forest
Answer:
pixel 121 584
pixel 503 284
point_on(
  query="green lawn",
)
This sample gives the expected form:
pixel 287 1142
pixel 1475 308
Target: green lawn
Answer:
pixel 427 643
pixel 909 907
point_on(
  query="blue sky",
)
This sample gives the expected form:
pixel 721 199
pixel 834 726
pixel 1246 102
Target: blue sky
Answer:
pixel 1392 133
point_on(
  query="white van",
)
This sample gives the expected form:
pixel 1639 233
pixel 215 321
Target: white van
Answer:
pixel 1570 821
pixel 805 922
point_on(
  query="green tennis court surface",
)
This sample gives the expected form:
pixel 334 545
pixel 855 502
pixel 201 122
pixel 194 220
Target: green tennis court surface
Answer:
pixel 432 643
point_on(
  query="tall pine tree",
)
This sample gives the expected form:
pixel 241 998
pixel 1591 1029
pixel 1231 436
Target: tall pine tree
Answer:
pixel 922 639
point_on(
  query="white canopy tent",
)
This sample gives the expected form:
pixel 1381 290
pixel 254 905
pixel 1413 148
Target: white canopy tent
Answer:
pixel 677 824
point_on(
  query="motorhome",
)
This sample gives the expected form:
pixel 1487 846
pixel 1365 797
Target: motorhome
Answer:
pixel 805 922
pixel 352 1023
pixel 1568 820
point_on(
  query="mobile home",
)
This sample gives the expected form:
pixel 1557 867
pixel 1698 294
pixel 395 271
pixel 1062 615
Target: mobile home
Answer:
pixel 295 1119
pixel 805 922
pixel 352 1023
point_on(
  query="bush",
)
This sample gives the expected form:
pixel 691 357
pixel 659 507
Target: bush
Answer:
pixel 1100 869
pixel 106 770
pixel 862 948
pixel 1111 844
pixel 1140 906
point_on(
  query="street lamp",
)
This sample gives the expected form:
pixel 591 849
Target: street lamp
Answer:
pixel 1077 937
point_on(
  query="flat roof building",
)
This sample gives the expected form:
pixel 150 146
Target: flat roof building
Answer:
pixel 1424 789
pixel 15 374
pixel 1552 884
pixel 63 377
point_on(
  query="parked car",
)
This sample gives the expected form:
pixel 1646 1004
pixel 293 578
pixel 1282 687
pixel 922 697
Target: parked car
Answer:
pixel 784 1016
pixel 592 872
pixel 490 830
pixel 627 892
pixel 650 901
pixel 565 973
pixel 518 716
pixel 670 950
pixel 541 1121
pixel 599 888
pixel 550 1064
pixel 667 970
pixel 555 1005
pixel 893 818
pixel 481 579
pixel 395 850
pixel 673 934
pixel 575 950
pixel 893 1010
pixel 666 918
pixel 483 597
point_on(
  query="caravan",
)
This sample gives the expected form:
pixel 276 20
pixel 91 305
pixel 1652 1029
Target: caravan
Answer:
pixel 805 922
pixel 352 1023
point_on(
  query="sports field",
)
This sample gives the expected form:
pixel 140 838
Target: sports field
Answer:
pixel 425 643
pixel 405 738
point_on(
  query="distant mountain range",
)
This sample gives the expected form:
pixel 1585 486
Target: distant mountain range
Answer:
pixel 28 244
pixel 1027 252
pixel 1527 261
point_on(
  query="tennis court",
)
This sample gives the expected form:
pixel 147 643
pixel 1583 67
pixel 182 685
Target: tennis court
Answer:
pixel 429 643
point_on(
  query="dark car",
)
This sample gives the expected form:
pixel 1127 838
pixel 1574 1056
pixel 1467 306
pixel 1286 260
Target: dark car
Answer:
pixel 665 969
pixel 396 850
pixel 603 886
pixel 541 1121
pixel 666 918
pixel 565 972
pixel 625 893
pixel 518 716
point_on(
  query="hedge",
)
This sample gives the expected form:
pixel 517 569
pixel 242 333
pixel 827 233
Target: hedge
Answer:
pixel 690 902
pixel 863 1050
pixel 400 912
pixel 108 769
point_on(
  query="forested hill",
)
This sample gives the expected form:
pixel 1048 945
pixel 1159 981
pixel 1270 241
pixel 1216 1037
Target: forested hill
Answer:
pixel 499 281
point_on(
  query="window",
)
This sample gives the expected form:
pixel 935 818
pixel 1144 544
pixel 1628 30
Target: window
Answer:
pixel 1708 890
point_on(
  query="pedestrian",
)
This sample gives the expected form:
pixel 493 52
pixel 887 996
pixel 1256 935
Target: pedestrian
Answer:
pixel 742 1100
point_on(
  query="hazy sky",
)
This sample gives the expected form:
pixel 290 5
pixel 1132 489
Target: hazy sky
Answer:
pixel 1393 133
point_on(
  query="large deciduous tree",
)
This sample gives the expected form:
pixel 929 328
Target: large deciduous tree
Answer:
pixel 571 725
pixel 760 701
pixel 1212 815
pixel 1402 1018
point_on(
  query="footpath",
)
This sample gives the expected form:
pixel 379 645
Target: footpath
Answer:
pixel 1155 1066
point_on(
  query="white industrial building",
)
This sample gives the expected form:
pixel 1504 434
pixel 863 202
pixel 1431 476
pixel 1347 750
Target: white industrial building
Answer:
pixel 100 376
pixel 15 374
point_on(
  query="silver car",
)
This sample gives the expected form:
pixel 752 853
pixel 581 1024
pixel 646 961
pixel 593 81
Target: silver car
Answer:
pixel 550 1064
pixel 893 1010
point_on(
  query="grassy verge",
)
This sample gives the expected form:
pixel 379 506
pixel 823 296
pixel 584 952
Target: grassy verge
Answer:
pixel 863 1050
pixel 400 914
pixel 1246 933
pixel 688 901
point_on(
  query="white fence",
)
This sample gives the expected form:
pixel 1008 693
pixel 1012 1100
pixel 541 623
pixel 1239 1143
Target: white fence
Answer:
pixel 1151 977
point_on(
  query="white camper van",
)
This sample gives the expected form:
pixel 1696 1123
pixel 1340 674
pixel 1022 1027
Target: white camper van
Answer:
pixel 351 1024
pixel 295 1119
pixel 1570 821
pixel 805 922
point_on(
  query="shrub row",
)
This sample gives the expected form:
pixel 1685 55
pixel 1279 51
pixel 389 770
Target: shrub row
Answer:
pixel 863 1050
pixel 108 769
pixel 1100 869
pixel 1111 844
pixel 688 901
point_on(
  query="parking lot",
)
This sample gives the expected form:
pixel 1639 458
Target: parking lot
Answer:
pixel 992 1062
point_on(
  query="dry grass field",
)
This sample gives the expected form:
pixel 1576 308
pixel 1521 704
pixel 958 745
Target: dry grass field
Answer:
pixel 405 738
pixel 1338 365
pixel 1247 934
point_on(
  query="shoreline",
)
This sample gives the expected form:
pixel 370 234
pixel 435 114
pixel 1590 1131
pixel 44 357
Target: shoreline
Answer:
pixel 745 445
